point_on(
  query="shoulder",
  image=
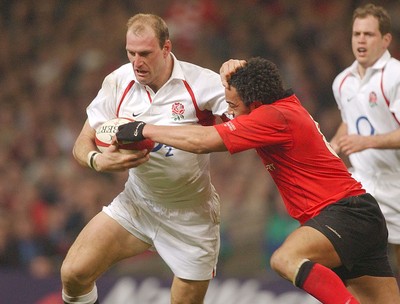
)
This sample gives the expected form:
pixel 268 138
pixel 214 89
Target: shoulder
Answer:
pixel 392 67
pixel 122 72
pixel 192 70
pixel 390 80
pixel 342 76
pixel 205 83
pixel 120 75
pixel 275 114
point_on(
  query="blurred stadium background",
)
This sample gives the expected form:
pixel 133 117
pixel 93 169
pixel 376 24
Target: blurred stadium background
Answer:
pixel 54 55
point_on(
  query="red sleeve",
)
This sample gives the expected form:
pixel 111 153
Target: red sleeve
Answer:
pixel 250 131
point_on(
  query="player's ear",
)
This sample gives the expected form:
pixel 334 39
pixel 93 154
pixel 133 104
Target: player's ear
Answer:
pixel 167 47
pixel 387 38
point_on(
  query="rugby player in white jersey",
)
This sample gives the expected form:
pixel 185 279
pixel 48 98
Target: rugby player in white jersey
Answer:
pixel 168 203
pixel 368 96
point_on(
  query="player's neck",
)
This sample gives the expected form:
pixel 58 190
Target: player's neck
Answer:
pixel 361 71
pixel 164 76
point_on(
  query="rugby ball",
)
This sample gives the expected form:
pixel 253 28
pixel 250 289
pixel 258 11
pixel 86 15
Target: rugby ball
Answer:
pixel 106 132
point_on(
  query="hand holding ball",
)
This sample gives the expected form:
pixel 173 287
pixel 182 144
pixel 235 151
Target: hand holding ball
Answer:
pixel 128 133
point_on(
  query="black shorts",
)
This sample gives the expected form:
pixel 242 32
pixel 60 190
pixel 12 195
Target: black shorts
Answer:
pixel 357 230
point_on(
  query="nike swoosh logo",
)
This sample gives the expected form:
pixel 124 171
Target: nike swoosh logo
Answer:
pixel 134 115
pixel 334 231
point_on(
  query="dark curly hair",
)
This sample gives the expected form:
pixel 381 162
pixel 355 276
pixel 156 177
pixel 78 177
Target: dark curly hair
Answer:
pixel 258 80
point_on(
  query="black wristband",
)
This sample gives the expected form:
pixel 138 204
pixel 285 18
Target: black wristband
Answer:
pixel 131 132
pixel 138 132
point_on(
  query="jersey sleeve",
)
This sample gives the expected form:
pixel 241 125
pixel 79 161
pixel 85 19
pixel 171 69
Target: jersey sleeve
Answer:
pixel 103 106
pixel 210 93
pixel 264 126
pixel 216 96
pixel 336 87
pixel 391 86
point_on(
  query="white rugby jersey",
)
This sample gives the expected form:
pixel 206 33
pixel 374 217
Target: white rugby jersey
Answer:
pixel 371 106
pixel 192 95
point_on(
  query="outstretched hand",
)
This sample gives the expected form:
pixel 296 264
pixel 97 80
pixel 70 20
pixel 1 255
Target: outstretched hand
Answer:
pixel 228 68
pixel 130 132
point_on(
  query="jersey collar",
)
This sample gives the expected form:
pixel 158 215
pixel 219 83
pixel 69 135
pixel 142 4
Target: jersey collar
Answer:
pixel 177 72
pixel 379 64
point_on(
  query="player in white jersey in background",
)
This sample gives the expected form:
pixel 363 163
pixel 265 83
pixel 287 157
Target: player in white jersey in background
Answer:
pixel 368 96
pixel 168 203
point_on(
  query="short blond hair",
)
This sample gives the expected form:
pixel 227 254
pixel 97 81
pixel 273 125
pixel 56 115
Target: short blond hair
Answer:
pixel 138 22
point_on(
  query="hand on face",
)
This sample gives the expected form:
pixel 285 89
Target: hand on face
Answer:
pixel 228 68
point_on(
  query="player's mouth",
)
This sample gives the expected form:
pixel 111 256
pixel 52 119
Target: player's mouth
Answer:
pixel 141 73
pixel 361 50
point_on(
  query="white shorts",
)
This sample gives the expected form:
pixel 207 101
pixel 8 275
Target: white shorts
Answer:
pixel 386 190
pixel 187 239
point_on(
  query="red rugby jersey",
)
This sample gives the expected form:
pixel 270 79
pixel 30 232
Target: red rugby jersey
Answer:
pixel 308 174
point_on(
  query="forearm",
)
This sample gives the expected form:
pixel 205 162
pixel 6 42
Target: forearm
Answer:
pixel 352 143
pixel 385 141
pixel 81 150
pixel 195 139
pixel 84 144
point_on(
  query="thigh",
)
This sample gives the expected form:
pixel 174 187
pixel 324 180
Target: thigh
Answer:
pixel 188 241
pixel 387 194
pixel 315 246
pixel 304 243
pixel 394 259
pixel 188 292
pixel 100 244
pixel 385 188
pixel 372 290
pixel 356 228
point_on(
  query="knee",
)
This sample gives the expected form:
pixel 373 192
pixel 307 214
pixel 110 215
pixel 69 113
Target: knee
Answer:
pixel 74 276
pixel 281 263
pixel 277 261
pixel 187 291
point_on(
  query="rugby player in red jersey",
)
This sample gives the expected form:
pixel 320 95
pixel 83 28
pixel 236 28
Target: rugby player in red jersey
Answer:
pixel 339 252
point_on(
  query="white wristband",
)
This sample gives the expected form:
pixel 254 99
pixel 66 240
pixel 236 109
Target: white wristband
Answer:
pixel 91 159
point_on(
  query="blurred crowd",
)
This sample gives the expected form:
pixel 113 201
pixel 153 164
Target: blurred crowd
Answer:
pixel 54 55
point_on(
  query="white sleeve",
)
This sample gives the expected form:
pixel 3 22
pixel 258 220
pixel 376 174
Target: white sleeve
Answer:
pixel 104 105
pixel 212 93
pixel 391 86
pixel 337 94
